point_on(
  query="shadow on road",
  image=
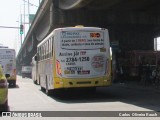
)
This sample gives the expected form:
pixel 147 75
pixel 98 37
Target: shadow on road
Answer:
pixel 8 109
pixel 13 87
pixel 116 93
pixel 83 95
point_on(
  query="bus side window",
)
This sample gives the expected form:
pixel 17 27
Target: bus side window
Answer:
pixel 49 47
pixel 39 54
pixel 49 44
pixel 52 45
pixel 42 51
pixel 45 50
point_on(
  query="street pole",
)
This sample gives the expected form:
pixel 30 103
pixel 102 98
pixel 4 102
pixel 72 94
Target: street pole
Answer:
pixel 24 20
pixel 19 31
pixel 28 12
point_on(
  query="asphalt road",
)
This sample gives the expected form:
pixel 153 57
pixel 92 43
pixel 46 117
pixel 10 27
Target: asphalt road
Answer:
pixel 28 97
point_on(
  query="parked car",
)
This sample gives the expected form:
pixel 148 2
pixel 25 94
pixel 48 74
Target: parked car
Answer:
pixel 3 91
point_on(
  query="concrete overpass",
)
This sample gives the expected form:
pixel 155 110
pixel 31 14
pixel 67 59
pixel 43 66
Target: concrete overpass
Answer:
pixel 133 23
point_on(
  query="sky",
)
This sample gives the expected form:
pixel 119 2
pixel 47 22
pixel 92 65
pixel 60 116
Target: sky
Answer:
pixel 10 12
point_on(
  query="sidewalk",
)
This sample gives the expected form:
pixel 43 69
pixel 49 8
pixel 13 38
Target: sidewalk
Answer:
pixel 136 85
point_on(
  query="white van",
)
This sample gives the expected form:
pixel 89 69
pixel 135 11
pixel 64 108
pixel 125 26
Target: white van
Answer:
pixel 26 71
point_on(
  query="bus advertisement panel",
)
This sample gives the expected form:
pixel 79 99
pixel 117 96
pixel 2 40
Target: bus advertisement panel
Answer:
pixel 80 54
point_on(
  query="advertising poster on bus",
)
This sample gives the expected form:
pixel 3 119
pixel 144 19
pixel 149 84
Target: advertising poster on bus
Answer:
pixel 77 57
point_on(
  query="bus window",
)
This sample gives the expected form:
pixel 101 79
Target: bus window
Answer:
pixel 46 46
pixel 43 52
pixel 52 45
pixel 40 53
pixel 47 49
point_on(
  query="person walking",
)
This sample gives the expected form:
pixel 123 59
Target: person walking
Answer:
pixel 121 74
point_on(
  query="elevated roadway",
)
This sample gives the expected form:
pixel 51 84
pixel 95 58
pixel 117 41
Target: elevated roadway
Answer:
pixel 133 23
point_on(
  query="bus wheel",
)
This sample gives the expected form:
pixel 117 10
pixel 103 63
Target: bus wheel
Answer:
pixel 35 81
pixel 38 81
pixel 48 92
pixel 9 85
pixel 42 89
pixel 14 84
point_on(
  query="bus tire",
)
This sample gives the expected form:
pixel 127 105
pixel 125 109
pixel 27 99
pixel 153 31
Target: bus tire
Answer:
pixel 39 81
pixel 9 85
pixel 42 89
pixel 48 92
pixel 35 82
pixel 14 84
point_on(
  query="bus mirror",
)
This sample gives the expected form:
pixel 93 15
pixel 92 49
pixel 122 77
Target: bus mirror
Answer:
pixel 35 58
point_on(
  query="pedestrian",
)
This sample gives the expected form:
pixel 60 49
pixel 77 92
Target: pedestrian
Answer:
pixel 121 74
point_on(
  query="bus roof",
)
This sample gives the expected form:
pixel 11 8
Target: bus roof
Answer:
pixel 7 49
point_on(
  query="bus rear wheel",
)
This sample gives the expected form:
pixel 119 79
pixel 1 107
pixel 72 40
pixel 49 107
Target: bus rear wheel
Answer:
pixel 35 82
pixel 49 92
pixel 12 83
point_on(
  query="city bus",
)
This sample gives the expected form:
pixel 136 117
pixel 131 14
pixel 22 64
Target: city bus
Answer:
pixel 8 62
pixel 74 57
